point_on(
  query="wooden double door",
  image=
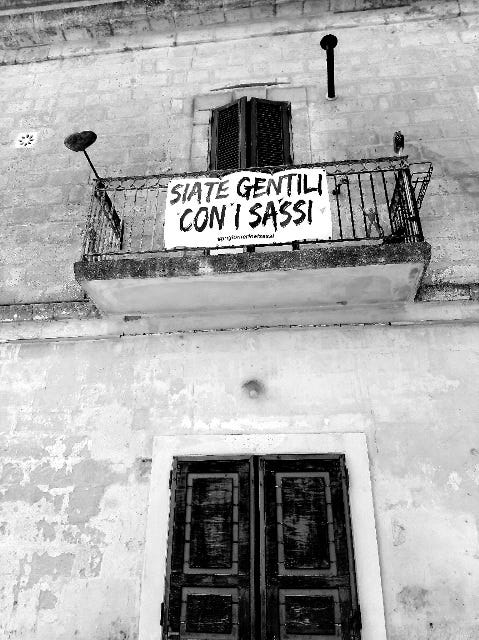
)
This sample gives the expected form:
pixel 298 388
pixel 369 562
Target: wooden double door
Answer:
pixel 260 548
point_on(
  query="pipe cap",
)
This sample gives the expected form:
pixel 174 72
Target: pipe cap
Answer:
pixel 328 42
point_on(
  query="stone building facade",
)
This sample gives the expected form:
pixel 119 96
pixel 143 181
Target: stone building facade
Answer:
pixel 92 404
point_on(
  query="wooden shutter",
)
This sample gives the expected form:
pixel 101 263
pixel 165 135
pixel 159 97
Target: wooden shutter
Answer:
pixel 209 567
pixel 309 583
pixel 270 140
pixel 228 136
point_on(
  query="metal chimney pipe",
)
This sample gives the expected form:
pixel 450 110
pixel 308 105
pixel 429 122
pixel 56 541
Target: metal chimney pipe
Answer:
pixel 328 43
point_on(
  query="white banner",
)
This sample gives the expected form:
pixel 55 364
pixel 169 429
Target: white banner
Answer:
pixel 247 207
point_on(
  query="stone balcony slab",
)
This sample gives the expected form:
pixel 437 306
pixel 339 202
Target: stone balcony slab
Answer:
pixel 224 291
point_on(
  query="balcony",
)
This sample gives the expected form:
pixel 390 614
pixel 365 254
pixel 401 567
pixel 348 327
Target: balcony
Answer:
pixel 374 254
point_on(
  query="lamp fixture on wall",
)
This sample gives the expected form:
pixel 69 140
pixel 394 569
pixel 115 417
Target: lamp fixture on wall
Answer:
pixel 80 141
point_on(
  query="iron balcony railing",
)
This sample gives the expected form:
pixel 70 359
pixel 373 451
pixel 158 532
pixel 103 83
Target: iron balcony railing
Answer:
pixel 371 201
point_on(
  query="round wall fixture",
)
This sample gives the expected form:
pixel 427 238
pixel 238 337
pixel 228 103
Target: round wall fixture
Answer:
pixel 253 388
pixel 26 139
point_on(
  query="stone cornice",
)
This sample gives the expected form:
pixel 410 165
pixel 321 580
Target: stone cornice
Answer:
pixel 445 303
pixel 459 312
pixel 39 31
pixel 18 7
pixel 84 309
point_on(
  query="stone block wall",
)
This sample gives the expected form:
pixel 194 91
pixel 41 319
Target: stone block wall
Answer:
pixel 25 23
pixel 140 93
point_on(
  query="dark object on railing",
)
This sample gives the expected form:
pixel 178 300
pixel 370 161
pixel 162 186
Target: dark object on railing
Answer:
pixel 337 189
pixel 371 201
pixel 398 143
pixel 80 141
pixel 328 43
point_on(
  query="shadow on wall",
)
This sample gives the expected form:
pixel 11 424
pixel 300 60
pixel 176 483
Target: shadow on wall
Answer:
pixel 445 166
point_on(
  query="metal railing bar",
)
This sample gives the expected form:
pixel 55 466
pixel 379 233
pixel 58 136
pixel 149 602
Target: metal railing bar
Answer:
pixel 351 214
pixel 101 235
pixel 426 178
pixel 188 250
pixel 389 202
pixel 143 223
pixel 362 205
pixel 153 232
pixel 139 206
pixel 373 192
pixel 404 212
pixel 336 192
pixel 131 225
pixel 405 218
pixel 394 160
pixel 413 206
pixel 124 221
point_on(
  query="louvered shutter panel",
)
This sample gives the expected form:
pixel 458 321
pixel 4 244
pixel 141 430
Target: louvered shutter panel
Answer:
pixel 209 574
pixel 228 136
pixel 270 137
pixel 309 577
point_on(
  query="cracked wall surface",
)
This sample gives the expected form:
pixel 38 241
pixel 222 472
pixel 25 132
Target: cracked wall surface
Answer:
pixel 65 519
pixel 78 420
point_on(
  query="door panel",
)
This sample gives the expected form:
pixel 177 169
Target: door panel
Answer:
pixel 261 548
pixel 209 582
pixel 310 591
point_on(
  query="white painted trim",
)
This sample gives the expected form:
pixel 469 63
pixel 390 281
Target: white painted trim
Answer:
pixel 353 445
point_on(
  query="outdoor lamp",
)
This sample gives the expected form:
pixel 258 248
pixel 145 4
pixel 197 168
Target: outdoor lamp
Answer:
pixel 80 141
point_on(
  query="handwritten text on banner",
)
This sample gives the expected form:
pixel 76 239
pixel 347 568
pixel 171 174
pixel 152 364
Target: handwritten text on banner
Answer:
pixel 246 207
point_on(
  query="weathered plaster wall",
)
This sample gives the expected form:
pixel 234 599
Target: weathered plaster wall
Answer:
pixel 416 74
pixel 78 419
